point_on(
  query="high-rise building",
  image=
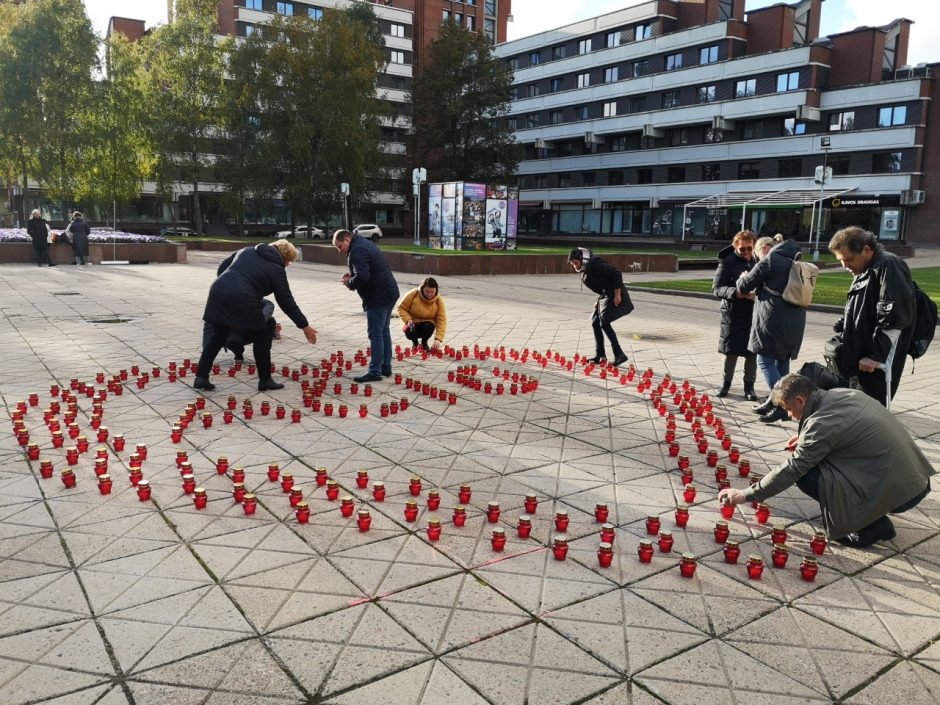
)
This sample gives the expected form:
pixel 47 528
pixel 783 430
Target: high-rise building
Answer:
pixel 686 118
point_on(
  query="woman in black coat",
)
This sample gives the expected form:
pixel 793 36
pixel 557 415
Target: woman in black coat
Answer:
pixel 79 231
pixel 613 301
pixel 235 305
pixel 777 327
pixel 736 311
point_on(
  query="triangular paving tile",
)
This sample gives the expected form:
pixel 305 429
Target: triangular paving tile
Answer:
pixel 907 683
pixel 408 687
pixel 40 682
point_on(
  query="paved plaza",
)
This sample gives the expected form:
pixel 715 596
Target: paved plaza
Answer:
pixel 113 600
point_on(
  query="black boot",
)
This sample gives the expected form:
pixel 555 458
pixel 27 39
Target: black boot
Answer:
pixel 203 383
pixel 749 393
pixel 763 407
pixel 778 414
pixel 619 359
pixel 598 359
pixel 879 530
pixel 725 387
pixel 269 385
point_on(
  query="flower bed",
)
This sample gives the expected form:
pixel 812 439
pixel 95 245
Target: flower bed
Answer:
pixel 16 247
pixel 97 235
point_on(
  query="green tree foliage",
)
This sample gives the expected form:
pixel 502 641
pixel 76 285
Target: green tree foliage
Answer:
pixel 461 99
pixel 320 108
pixel 118 152
pixel 184 89
pixel 47 58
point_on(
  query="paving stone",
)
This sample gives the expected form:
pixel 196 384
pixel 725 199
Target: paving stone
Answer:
pixel 905 683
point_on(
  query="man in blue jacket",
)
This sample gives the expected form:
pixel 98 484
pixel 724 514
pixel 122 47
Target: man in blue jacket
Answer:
pixel 370 276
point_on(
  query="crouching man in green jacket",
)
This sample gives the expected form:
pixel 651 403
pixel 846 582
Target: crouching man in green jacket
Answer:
pixel 851 455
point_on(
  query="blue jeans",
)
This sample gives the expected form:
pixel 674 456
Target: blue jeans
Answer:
pixel 773 369
pixel 378 319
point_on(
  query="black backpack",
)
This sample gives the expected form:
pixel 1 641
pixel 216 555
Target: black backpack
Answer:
pixel 925 323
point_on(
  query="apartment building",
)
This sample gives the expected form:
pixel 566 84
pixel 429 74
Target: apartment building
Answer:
pixel 688 119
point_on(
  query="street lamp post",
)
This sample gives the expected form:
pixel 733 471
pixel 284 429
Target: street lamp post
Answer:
pixel 823 176
pixel 344 190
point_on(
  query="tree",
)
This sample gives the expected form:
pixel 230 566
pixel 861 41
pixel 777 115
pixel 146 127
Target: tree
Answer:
pixel 460 100
pixel 185 83
pixel 47 57
pixel 320 107
pixel 118 155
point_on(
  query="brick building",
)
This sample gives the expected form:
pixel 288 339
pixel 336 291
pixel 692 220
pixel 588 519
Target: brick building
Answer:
pixel 686 118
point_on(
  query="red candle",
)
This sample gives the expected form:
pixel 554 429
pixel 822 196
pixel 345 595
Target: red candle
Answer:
pixel 82 444
pixel 135 476
pixel 560 548
pixel 221 465
pixel 104 484
pixel 118 441
pixel 683 462
pixel 734 454
pixel 248 412
pixel 682 516
pixel 561 520
pixel 322 477
pixel 755 567
pixel 498 539
pixel 239 492
pixel 653 524
pixel 287 482
pixel 665 541
pixel 250 504
pixel 71 456
pixel 778 533
pixel 231 402
pixel 102 434
pixel 524 527
pixel 332 490
pixel 464 493
pixel 673 449
pixel 367 390
pixel 143 490
pixel 687 565
pixel 207 419
pixel 362 479
pixel 434 500
pixel 45 469
pixel 378 491
pixel 600 513
pixel 238 475
pixel 688 494
pixel 32 451
pixel 363 520
pixel 363 411
pixel 434 529
pixel 189 484
pixel 818 543
pixel 727 510
pixel 808 569
pixel 722 532
pixel 721 473
pixel 346 506
pixel 274 472
pixel 779 555
pixel 687 476
pixel 762 514
pixel 199 498
pixel 68 478
pixel 732 551
pixel 744 468
pixel 645 551
pixel 302 512
pixel 492 512
pixel 530 503
pixel 343 411
pixel 296 496
pixel 411 510
pixel 414 486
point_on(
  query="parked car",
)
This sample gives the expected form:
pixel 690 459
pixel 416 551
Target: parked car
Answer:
pixel 177 231
pixel 369 230
pixel 302 231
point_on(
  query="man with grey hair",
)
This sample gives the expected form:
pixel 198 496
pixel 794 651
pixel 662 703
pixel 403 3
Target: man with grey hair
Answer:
pixel 849 454
pixel 879 314
pixel 38 230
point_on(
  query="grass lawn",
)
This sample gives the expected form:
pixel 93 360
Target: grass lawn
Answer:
pixel 831 286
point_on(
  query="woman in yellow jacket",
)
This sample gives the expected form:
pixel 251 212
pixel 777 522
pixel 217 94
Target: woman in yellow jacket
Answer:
pixel 422 314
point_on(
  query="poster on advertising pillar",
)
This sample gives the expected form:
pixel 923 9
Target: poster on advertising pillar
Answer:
pixel 468 216
pixel 435 215
pixel 474 206
pixel 497 217
pixel 448 217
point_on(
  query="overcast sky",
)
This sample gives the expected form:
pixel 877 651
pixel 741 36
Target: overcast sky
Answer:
pixel 531 16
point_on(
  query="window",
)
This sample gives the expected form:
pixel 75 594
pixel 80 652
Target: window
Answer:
pixel 612 40
pixel 254 5
pixel 725 8
pixel 671 99
pixel 678 137
pixel 315 13
pixel 511 123
pixel 250 29
pixel 673 62
pixel 610 109
pixel 705 94
pixel 541 153
pixel 445 15
pixel 583 112
pixel 708 55
pixel 615 178
pixel 610 74
pixel 752 130
pixel 840 166
pixel 285 8
pixel 675 174
pixel 584 80
pixel 458 17
pixel 584 46
pixel 790 168
pixel 532 120
pixel 489 29
pixel 558 53
pixel 842 121
pixel 749 170
pixel 644 176
pixel 618 143
pixel 637 103
pixel 742 89
pixel 895 115
pixel 712 135
pixel 471 23
pixel 588 178
pixel 641 68
pixel 514 63
pixel 535 58
pixel 538 181
pixel 396 30
pixel 792 126
pixel 398 57
pixel 886 163
pixel 564 180
pixel 556 85
pixel 643 31
pixel 711 172
pixel 555 117
pixel 532 90
pixel 788 81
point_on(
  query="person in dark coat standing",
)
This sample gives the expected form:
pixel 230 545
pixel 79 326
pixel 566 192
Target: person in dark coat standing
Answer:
pixel 236 304
pixel 613 301
pixel 737 310
pixel 38 230
pixel 777 327
pixel 78 231
pixel 370 276
pixel 879 314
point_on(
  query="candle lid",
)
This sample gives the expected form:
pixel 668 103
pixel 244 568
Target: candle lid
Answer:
pixel 754 558
pixel 433 493
pixel 524 519
pixel 364 513
pixel 321 471
pixel 143 483
pixel 721 524
pixel 238 485
pixel 493 505
pixel 644 543
pixel 296 490
pixel 287 476
pixel 346 499
pixel 460 509
pixel 779 526
pixel 499 531
pixel 434 521
pixel 104 478
pixel 249 497
pixel 188 476
pixel 465 487
pixel 362 473
pixel 200 490
pixel 819 534
pixel 682 508
pixel 301 505
pixel 531 495
pixel 688 556
pixel 561 513
pixel 809 560
pixel 665 534
pixel 332 483
pixel 608 548
pixel 378 484
pixel 411 503
pixel 781 547
pixel 601 505
pixel 731 543
pixel 560 540
pixel 607 527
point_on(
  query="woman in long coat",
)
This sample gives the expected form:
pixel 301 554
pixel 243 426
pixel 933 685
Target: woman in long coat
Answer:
pixel 737 310
pixel 79 231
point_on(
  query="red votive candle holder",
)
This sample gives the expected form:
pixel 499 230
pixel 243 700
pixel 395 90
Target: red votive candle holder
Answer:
pixel 363 411
pixel 498 539
pixel 135 476
pixel 363 520
pixel 378 491
pixel 601 512
pixel 82 444
pixel 71 456
pixel 411 510
pixel 296 496
pixel 492 512
pixel 561 521
pixel 367 390
pixel 362 479
pixel 687 476
pixel 755 567
pixel 143 490
pixel 530 503
pixel 238 474
pixel 346 506
pixel 560 548
pixel 434 500
pixel 687 565
pixel 250 504
pixel 734 455
pixel 779 555
pixel 808 569
pixel 778 533
pixel 207 419
pixel 199 498
pixel 732 551
pixel 688 494
pixel 414 486
pixel 287 482
pixel 464 493
pixel 727 510
pixel 68 478
pixel 721 473
pixel 332 490
pixel 683 462
pixel 274 472
pixel 45 469
pixel 645 551
pixel 105 484
pixel 653 524
pixel 434 529
pixel 102 434
pixel 322 476
pixel 818 543
pixel 762 514
pixel 302 512
pixel 524 527
pixel 239 492
pixel 119 442
pixel 665 541
pixel 32 451
pixel 721 531
pixel 682 516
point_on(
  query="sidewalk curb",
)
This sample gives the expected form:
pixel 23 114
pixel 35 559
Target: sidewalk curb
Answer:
pixel 823 308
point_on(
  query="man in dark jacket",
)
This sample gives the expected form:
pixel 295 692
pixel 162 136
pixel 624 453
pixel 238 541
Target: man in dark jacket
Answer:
pixel 370 276
pixel 851 455
pixel 612 303
pixel 736 311
pixel 78 231
pixel 38 230
pixel 235 304
pixel 879 313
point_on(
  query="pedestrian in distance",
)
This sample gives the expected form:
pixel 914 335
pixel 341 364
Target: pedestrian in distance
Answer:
pixel 38 230
pixel 370 276
pixel 777 326
pixel 737 310
pixel 613 301
pixel 236 301
pixel 78 232
pixel 877 324
pixel 850 455
pixel 423 314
